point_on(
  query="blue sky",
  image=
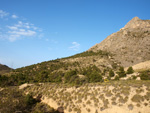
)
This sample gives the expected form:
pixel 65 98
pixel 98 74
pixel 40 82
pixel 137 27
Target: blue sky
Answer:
pixel 33 31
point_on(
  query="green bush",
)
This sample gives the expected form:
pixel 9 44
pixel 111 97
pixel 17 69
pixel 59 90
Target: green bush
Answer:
pixel 145 75
pixel 3 80
pixel 42 76
pixel 116 77
pixel 29 100
pixel 111 73
pixel 130 70
pixel 43 108
pixel 12 100
pixel 95 77
pixel 121 72
pixel 68 77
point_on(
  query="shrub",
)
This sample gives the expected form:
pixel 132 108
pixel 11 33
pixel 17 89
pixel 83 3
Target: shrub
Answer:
pixel 95 77
pixel 109 94
pixel 88 109
pixel 13 100
pixel 111 73
pixel 130 70
pixel 130 107
pixel 3 80
pixel 43 76
pixel 145 76
pixel 43 108
pixel 121 72
pixel 116 77
pixel 69 75
pixel 137 98
pixel 88 102
pixel 134 77
pixel 30 100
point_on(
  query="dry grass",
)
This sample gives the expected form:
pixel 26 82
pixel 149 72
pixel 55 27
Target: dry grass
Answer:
pixel 92 97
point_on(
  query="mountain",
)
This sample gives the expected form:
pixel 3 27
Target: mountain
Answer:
pixel 4 69
pixel 127 47
pixel 130 45
pixel 93 81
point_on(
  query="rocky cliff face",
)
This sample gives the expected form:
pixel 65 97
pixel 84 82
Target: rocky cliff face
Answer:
pixel 130 45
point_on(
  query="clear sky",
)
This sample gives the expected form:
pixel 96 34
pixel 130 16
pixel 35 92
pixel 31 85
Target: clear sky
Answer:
pixel 33 31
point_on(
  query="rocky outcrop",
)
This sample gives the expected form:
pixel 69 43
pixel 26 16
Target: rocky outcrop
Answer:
pixel 130 45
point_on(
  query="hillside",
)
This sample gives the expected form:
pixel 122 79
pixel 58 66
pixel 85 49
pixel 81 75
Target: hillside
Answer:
pixel 113 97
pixel 4 69
pixel 130 45
pixel 75 69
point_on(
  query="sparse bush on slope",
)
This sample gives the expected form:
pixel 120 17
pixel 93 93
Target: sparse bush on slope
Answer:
pixel 145 75
pixel 121 72
pixel 130 70
pixel 111 73
pixel 13 100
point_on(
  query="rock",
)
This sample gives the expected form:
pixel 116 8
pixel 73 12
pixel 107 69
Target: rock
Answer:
pixel 138 78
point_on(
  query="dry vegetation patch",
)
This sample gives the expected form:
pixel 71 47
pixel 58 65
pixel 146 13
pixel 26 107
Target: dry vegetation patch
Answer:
pixel 95 97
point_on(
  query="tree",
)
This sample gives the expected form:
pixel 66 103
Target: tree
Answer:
pixel 130 70
pixel 121 72
pixel 111 73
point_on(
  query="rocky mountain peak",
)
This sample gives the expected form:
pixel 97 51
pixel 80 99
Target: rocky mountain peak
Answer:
pixel 136 22
pixel 130 45
pixel 135 19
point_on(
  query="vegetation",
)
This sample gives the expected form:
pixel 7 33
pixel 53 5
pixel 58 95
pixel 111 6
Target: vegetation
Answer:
pixel 20 76
pixel 4 69
pixel 90 53
pixel 145 75
pixel 130 70
pixel 92 74
pixel 80 81
pixel 121 72
pixel 111 73
pixel 13 100
pixel 43 108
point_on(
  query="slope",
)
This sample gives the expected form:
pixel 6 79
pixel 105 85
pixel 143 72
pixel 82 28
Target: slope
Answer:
pixel 130 45
pixel 4 69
